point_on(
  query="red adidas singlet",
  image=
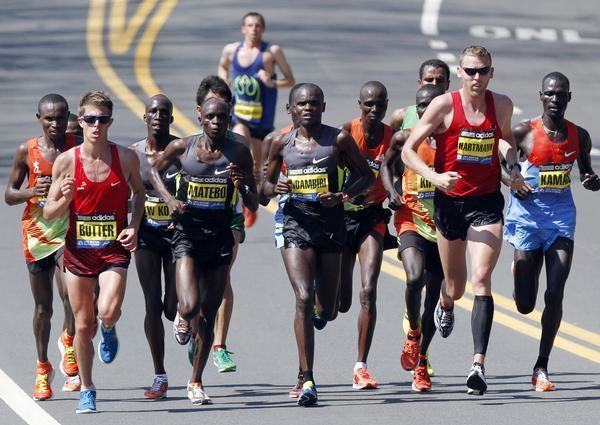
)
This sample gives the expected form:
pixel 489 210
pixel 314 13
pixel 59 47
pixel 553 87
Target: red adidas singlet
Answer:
pixel 98 213
pixel 545 151
pixel 471 150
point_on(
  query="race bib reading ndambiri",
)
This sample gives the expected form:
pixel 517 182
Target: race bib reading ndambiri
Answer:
pixel 308 182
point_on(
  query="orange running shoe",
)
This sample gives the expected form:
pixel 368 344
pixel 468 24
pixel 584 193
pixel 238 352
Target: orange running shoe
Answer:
pixel 410 353
pixel 72 384
pixel 362 380
pixel 421 380
pixel 43 379
pixel 158 389
pixel 249 217
pixel 541 381
pixel 68 364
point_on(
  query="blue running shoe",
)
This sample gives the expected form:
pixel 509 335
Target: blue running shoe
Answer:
pixel 87 402
pixel 309 395
pixel 318 322
pixel 108 345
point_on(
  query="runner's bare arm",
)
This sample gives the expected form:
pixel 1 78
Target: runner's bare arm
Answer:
pixel 225 62
pixel 62 188
pixel 266 145
pixel 587 175
pixel 171 153
pixel 391 168
pixel 288 79
pixel 272 185
pixel 136 186
pixel 506 145
pixel 398 118
pixel 242 174
pixel 362 176
pixel 20 169
pixel 523 140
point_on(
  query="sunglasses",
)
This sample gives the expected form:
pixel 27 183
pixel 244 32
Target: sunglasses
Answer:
pixel 91 119
pixel 481 71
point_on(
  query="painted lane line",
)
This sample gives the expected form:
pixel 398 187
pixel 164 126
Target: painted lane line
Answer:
pixel 22 404
pixel 438 44
pixel 447 57
pixel 429 17
pixel 122 33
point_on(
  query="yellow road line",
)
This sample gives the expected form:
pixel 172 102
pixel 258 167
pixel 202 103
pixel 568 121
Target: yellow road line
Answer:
pixel 121 32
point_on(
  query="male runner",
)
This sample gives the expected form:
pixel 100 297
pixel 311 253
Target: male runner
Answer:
pixel 248 66
pixel 432 71
pixel 154 239
pixel 73 126
pixel 471 128
pixel 313 229
pixel 92 182
pixel 366 224
pixel 43 240
pixel 417 247
pixel 214 169
pixel 540 220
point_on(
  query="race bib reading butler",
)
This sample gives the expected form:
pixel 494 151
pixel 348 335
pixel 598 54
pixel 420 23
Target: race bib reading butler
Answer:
pixel 308 182
pixel 475 146
pixel 209 193
pixel 96 231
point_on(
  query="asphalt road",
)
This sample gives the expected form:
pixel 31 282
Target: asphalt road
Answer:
pixel 67 49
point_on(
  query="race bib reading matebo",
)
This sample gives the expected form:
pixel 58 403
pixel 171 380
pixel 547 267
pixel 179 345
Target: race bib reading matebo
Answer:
pixel 209 193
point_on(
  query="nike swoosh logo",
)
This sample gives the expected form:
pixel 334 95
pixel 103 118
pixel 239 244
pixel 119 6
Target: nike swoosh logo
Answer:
pixel 316 161
pixel 170 176
pixel 567 154
pixel 218 172
pixel 81 188
pixel 113 184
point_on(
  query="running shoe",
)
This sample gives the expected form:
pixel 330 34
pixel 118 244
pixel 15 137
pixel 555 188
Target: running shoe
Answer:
pixel 318 322
pixel 108 345
pixel 68 364
pixel 308 397
pixel 43 380
pixel 87 402
pixel 410 353
pixel 362 380
pixel 196 393
pixel 296 391
pixel 158 389
pixel 222 360
pixel 444 320
pixel 182 330
pixel 249 217
pixel 421 380
pixel 476 384
pixel 72 384
pixel 541 381
pixel 192 350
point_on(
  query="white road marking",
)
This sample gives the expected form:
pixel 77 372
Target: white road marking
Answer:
pixel 429 18
pixel 22 404
pixel 438 44
pixel 449 58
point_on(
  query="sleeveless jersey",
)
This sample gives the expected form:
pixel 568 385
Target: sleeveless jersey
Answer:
pixel 376 193
pixel 471 150
pixel 98 214
pixel 41 237
pixel 548 171
pixel 207 191
pixel 417 212
pixel 254 103
pixel 156 212
pixel 410 118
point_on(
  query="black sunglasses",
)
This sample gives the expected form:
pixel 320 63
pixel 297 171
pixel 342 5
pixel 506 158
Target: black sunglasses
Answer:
pixel 472 71
pixel 91 119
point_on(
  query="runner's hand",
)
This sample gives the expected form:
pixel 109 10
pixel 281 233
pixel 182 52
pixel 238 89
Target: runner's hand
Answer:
pixel 591 182
pixel 67 187
pixel 524 192
pixel 42 186
pixel 516 179
pixel 283 186
pixel 330 199
pixel 176 207
pixel 128 238
pixel 236 175
pixel 446 181
pixel 395 201
pixel 265 78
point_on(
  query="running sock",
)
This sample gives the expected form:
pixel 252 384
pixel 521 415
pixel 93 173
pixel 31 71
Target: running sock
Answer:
pixel 542 362
pixel 91 388
pixel 360 365
pixel 106 328
pixel 219 347
pixel 308 375
pixel 481 322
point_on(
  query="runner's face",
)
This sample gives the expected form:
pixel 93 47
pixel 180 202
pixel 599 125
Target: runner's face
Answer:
pixel 253 29
pixel 308 107
pixel 54 118
pixel 373 105
pixel 422 102
pixel 158 116
pixel 555 97
pixel 73 127
pixel 475 85
pixel 215 119
pixel 435 76
pixel 95 132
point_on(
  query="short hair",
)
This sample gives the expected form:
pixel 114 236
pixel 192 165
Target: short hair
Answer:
pixel 159 97
pixel 51 98
pixel 478 51
pixel 215 100
pixel 72 118
pixel 430 89
pixel 434 63
pixel 299 86
pixel 214 84
pixel 557 76
pixel 376 85
pixel 96 98
pixel 260 17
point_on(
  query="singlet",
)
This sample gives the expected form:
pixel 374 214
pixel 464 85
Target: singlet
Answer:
pixel 207 191
pixel 410 118
pixel 311 173
pixel 548 171
pixel 98 214
pixel 416 213
pixel 41 237
pixel 376 193
pixel 254 103
pixel 470 150
pixel 156 212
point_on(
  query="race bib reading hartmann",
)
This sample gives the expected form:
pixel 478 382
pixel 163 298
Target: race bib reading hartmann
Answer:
pixel 96 231
pixel 476 146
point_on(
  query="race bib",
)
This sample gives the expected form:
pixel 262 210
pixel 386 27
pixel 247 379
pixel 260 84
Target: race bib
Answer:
pixel 157 212
pixel 207 193
pixel 308 182
pixel 425 189
pixel 96 231
pixel 555 178
pixel 42 201
pixel 475 146
pixel 248 95
pixel 375 166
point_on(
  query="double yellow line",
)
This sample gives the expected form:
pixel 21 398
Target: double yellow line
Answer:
pixel 122 34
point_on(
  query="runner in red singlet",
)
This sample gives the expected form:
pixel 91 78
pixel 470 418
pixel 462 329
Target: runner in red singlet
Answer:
pixel 91 183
